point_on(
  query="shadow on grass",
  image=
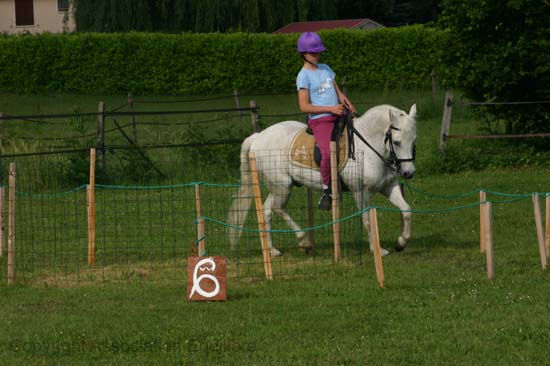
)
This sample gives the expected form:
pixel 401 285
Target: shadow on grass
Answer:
pixel 423 244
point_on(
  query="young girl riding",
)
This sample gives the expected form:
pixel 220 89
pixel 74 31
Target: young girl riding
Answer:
pixel 320 97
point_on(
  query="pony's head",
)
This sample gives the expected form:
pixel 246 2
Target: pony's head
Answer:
pixel 400 140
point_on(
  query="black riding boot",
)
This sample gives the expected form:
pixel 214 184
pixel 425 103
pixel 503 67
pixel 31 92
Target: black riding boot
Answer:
pixel 325 203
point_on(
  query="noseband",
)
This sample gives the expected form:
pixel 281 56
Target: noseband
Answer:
pixel 396 161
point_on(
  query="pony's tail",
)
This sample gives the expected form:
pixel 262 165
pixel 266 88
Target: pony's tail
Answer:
pixel 243 200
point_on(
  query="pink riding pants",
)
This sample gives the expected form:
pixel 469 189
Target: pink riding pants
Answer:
pixel 322 130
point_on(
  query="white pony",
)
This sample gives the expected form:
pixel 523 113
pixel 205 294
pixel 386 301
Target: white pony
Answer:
pixel 385 136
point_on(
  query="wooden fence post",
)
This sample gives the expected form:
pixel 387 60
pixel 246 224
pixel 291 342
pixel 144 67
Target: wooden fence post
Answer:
pixel 11 225
pixel 131 105
pixel 344 87
pixel 310 217
pixel 2 225
pixel 540 233
pixel 547 226
pixel 434 82
pixel 482 225
pixel 254 116
pixel 335 198
pixel 260 214
pixel 200 222
pixel 237 102
pixel 446 120
pixel 91 209
pixel 100 144
pixel 488 217
pixel 376 247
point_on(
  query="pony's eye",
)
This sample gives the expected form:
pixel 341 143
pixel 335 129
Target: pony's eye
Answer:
pixel 397 143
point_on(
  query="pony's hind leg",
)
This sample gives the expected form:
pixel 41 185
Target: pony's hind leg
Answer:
pixel 268 216
pixel 304 242
pixel 395 195
pixel 277 203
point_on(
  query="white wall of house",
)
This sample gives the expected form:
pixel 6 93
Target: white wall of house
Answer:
pixel 47 18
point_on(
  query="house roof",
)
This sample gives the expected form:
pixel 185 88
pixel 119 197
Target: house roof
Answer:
pixel 300 27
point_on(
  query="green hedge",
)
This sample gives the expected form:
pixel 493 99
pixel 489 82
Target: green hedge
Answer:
pixel 191 63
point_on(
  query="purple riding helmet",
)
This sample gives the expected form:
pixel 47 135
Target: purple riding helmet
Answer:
pixel 310 42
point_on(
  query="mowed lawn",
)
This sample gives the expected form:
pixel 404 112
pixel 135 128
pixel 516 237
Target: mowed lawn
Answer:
pixel 437 307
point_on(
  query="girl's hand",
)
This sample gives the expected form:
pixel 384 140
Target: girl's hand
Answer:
pixel 338 109
pixel 348 104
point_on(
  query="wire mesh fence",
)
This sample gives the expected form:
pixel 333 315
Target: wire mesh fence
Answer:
pixel 146 207
pixel 146 232
pixel 483 123
pixel 62 171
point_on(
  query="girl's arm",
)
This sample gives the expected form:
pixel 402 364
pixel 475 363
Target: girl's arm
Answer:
pixel 307 107
pixel 343 99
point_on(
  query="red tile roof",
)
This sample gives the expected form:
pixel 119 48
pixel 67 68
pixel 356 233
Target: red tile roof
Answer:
pixel 300 27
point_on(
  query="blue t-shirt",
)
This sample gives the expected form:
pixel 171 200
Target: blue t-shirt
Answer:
pixel 320 83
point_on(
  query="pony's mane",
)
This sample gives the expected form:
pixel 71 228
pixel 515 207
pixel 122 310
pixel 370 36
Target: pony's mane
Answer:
pixel 376 119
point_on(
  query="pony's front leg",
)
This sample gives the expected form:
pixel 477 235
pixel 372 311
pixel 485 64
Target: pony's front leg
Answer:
pixel 362 200
pixel 395 195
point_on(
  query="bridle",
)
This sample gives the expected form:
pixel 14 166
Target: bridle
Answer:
pixel 393 162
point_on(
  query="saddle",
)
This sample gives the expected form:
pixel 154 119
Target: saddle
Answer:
pixel 305 153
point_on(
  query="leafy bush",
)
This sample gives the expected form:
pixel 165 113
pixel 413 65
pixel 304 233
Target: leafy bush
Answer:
pixel 500 52
pixel 170 64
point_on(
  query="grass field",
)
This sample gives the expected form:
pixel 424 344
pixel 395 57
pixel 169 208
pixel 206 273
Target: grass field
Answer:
pixel 437 307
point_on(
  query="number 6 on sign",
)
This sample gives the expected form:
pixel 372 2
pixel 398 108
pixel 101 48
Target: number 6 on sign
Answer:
pixel 206 278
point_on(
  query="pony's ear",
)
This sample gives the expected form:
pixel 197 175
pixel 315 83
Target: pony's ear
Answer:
pixel 412 112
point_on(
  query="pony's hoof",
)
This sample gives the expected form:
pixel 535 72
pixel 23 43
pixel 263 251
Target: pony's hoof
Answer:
pixel 306 246
pixel 383 252
pixel 401 244
pixel 275 252
pixel 399 247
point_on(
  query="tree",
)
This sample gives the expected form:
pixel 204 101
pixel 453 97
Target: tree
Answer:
pixel 413 12
pixel 499 51
pixel 378 10
pixel 112 16
pixel 275 14
pixel 240 15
